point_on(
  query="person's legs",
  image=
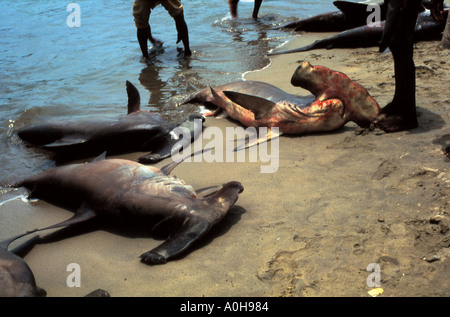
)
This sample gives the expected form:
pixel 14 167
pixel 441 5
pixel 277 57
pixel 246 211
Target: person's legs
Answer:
pixel 141 13
pixel 183 34
pixel 143 35
pixel 175 9
pixel 256 8
pixel 400 114
pixel 233 4
pixel 446 36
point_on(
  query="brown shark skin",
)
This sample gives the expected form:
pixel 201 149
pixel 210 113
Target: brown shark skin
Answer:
pixel 337 100
pixel 118 187
pixel 16 277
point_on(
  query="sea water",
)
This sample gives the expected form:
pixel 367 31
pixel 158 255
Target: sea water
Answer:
pixel 53 68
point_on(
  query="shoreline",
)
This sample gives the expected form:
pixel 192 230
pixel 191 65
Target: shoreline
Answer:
pixel 338 203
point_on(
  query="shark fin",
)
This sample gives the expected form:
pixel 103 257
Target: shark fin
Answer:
pixel 357 10
pixel 67 141
pixel 259 139
pixel 217 99
pixel 134 99
pixel 5 244
pixel 296 50
pixel 99 158
pixel 301 112
pixel 169 167
pixel 213 113
pixel 261 107
pixel 82 214
pixel 220 112
pixel 208 191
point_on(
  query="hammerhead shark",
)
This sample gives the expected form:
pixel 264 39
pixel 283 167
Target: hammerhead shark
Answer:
pixel 336 100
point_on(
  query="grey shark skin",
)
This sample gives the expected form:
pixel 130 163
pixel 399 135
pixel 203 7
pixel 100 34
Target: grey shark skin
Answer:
pixel 251 87
pixel 123 188
pixel 349 15
pixel 139 130
pixel 370 35
pixel 16 277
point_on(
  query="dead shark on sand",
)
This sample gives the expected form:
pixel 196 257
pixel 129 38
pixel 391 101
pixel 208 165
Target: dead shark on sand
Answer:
pixel 139 130
pixel 122 188
pixel 336 100
pixel 370 35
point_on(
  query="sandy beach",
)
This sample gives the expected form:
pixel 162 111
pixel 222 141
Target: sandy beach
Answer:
pixel 338 203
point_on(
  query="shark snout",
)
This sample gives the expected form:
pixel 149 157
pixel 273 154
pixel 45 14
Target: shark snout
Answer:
pixel 300 74
pixel 236 185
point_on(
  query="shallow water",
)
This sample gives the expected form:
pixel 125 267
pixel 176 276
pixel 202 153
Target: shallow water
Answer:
pixel 51 70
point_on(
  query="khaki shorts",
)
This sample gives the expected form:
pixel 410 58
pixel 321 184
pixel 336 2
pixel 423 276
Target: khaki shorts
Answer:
pixel 143 8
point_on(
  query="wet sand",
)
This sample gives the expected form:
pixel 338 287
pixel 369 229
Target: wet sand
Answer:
pixel 337 203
